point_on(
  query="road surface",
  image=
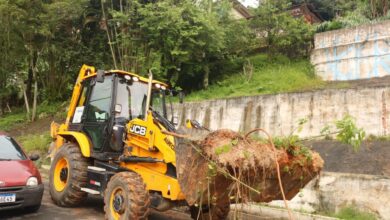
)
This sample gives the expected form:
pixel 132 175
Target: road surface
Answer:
pixel 92 209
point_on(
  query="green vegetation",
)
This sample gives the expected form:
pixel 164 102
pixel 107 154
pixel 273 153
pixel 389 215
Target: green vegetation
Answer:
pixel 344 129
pixel 269 76
pixel 346 132
pixel 280 32
pixel 350 13
pixel 352 213
pixel 372 137
pixel 18 117
pixel 10 120
pixel 35 143
pixel 196 47
pixel 189 45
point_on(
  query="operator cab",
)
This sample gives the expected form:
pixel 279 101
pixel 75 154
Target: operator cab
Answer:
pixel 109 101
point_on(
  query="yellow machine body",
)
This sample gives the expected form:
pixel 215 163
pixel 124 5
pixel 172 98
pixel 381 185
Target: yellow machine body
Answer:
pixel 153 144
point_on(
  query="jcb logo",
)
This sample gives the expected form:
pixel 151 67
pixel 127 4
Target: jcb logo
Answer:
pixel 137 129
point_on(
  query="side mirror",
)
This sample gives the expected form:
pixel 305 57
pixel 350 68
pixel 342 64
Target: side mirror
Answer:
pixel 181 97
pixel 118 108
pixel 34 157
pixel 100 76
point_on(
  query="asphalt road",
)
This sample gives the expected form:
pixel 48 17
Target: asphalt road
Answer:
pixel 92 208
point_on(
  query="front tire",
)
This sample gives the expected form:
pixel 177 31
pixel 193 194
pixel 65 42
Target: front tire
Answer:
pixel 126 197
pixel 68 174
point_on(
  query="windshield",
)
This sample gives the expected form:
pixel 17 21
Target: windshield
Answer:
pixel 158 102
pixel 10 150
pixel 132 98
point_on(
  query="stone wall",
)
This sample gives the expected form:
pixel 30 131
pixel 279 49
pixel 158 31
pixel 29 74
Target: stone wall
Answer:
pixel 355 53
pixel 334 191
pixel 279 114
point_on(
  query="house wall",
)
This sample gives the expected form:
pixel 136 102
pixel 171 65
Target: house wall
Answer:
pixel 279 114
pixel 356 53
pixel 236 15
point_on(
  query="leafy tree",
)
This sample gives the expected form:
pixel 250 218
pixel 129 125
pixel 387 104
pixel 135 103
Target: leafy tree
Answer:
pixel 280 32
pixel 62 48
pixel 188 43
pixel 329 9
pixel 178 40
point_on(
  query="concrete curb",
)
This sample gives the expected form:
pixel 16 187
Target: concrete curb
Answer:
pixel 275 213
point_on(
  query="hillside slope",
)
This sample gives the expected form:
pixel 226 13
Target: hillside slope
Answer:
pixel 269 76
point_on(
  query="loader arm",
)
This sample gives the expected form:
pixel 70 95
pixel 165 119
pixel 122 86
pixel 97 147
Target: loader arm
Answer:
pixel 83 73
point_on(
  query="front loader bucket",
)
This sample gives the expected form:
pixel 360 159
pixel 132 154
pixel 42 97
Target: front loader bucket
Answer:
pixel 225 165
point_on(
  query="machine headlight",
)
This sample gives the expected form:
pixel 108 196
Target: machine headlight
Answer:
pixel 32 181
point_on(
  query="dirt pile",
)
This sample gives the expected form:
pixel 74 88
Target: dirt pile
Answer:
pixel 224 164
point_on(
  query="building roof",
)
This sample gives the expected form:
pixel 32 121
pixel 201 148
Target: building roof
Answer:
pixel 307 11
pixel 241 9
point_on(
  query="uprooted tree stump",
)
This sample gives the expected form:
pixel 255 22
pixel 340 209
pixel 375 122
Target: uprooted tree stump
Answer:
pixel 216 166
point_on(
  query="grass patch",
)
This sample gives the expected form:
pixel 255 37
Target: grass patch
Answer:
pixel 36 142
pixel 352 213
pixel 19 116
pixel 372 137
pixel 269 77
pixel 9 120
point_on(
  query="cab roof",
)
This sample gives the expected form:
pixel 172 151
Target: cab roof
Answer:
pixel 90 72
pixel 141 78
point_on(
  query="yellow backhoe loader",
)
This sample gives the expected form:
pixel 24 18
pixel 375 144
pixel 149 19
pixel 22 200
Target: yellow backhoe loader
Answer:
pixel 118 142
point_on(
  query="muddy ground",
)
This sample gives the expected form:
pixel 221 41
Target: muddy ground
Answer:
pixel 40 126
pixel 372 158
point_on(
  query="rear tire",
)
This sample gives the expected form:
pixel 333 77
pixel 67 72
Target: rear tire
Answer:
pixel 68 174
pixel 126 197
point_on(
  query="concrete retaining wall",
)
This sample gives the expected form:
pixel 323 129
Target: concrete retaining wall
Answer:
pixel 333 191
pixel 355 53
pixel 279 114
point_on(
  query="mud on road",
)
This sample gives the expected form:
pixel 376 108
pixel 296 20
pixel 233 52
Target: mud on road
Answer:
pixel 91 209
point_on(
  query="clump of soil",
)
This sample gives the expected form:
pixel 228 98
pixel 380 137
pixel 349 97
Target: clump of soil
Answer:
pixel 211 165
pixel 230 149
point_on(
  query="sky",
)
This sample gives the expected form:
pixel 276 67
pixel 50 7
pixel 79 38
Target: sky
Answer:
pixel 252 3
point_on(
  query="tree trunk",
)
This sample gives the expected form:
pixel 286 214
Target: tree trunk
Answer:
pixel 373 8
pixel 1 107
pixel 29 83
pixel 26 102
pixel 34 59
pixel 34 110
pixel 385 5
pixel 108 36
pixel 206 76
pixel 9 109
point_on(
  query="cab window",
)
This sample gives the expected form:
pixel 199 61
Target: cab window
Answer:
pixel 99 106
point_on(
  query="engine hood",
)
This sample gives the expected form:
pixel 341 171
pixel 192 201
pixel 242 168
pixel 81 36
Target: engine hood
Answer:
pixel 16 172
